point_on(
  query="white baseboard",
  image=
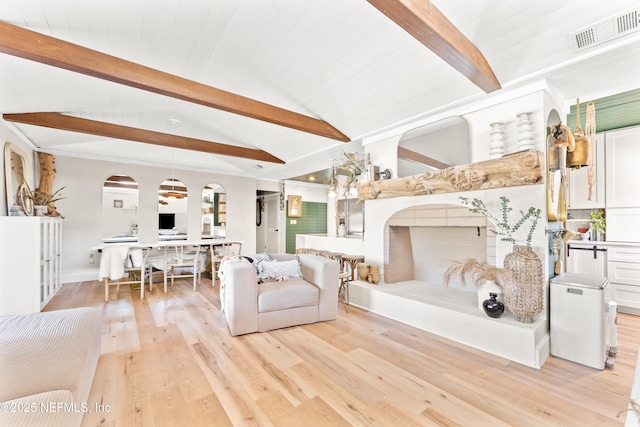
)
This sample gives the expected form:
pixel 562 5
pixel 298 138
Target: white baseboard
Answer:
pixel 80 275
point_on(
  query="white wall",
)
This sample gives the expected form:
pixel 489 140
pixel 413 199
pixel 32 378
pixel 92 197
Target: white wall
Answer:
pixel 82 207
pixel 119 220
pixel 309 192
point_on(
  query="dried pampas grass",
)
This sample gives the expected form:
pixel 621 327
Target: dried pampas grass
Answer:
pixel 474 268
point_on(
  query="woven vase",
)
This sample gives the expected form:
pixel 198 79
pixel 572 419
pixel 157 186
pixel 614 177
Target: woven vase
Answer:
pixel 523 290
pixel 363 271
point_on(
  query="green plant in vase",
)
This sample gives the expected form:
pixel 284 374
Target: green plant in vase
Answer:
pixel 598 222
pixel 41 198
pixel 502 227
pixel 354 167
pixel 42 201
pixel 523 288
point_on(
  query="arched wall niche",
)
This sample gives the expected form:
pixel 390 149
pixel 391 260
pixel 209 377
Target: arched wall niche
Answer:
pixel 214 211
pixel 434 146
pixel 120 201
pixel 172 210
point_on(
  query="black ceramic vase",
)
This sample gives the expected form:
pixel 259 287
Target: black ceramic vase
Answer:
pixel 492 306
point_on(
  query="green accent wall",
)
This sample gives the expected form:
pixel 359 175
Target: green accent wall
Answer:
pixel 612 112
pixel 312 221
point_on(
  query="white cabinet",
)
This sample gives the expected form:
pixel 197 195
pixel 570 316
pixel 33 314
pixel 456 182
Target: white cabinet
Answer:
pixel 30 262
pixel 623 224
pixel 624 276
pixel 586 258
pixel 579 182
pixel 623 168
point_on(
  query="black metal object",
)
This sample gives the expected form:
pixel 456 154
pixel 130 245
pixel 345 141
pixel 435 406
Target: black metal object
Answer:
pixel 595 250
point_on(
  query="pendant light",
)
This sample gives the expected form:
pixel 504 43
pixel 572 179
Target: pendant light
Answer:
pixel 333 183
pixel 173 194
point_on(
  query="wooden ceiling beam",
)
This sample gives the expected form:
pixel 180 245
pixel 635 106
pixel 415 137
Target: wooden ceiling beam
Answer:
pixel 93 127
pixel 430 27
pixel 405 153
pixel 48 50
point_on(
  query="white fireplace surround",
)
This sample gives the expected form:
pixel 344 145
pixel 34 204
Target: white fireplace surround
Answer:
pixel 447 210
pixel 413 240
pixel 439 234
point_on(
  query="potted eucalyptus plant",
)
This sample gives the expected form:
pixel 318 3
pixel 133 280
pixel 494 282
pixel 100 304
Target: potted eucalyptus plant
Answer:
pixel 523 291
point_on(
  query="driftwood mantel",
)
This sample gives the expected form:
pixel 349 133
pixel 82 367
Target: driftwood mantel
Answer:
pixel 521 168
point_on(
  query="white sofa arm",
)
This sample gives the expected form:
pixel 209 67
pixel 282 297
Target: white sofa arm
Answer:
pixel 240 296
pixel 323 273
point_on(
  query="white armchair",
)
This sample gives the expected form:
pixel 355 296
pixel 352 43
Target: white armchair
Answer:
pixel 252 307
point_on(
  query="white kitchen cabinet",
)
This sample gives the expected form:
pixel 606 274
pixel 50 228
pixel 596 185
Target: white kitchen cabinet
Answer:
pixel 622 168
pixel 579 182
pixel 623 269
pixel 586 258
pixel 30 262
pixel 623 224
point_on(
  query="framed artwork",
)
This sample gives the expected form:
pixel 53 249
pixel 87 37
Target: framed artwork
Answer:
pixel 294 206
pixel 117 203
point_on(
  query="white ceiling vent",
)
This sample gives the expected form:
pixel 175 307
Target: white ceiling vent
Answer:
pixel 606 30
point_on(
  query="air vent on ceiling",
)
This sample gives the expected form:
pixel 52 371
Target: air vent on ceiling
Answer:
pixel 606 30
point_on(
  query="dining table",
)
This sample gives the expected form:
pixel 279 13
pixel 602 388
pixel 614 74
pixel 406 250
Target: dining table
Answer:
pixel 159 260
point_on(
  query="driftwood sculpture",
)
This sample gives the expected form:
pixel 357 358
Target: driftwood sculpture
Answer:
pixel 522 168
pixel 47 175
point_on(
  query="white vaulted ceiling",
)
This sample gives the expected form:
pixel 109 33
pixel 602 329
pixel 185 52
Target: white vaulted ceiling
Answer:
pixel 341 61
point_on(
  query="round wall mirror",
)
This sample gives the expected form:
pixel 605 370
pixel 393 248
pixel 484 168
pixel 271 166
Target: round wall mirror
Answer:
pixel 172 210
pixel 214 211
pixel 120 209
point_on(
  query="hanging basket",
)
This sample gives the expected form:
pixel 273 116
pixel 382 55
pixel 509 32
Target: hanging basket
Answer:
pixel 523 290
pixel 581 154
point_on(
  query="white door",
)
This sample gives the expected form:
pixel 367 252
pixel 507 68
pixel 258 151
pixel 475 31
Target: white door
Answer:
pixel 267 224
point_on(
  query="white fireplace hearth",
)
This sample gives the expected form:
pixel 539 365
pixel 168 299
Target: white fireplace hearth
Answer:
pixel 415 239
pixel 454 314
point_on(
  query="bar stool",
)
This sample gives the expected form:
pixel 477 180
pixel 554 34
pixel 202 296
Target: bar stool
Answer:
pixel 344 276
pixel 353 261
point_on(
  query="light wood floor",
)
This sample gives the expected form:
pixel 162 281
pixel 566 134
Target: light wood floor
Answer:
pixel 169 360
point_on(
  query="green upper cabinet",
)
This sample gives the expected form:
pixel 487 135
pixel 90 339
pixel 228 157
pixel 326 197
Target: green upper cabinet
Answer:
pixel 612 112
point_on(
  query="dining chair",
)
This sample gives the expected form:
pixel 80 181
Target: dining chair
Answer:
pixel 182 261
pixel 219 252
pixel 124 265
